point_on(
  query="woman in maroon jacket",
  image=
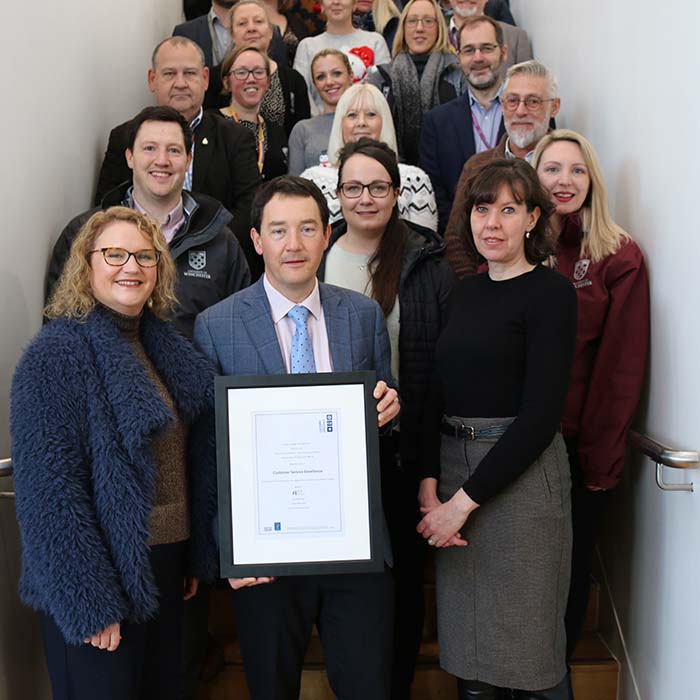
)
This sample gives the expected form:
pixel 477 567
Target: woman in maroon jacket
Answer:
pixel 607 269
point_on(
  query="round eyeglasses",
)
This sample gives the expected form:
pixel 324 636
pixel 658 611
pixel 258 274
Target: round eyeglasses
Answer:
pixel 117 257
pixel 353 190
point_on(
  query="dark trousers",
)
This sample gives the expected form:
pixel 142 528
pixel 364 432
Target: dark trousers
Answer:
pixel 145 666
pixel 354 617
pixel 587 509
pixel 400 500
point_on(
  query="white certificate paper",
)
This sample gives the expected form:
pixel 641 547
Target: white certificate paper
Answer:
pixel 298 472
pixel 299 481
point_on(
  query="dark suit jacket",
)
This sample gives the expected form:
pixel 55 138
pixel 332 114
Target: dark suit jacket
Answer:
pixel 225 167
pixel 446 143
pixel 238 335
pixel 500 10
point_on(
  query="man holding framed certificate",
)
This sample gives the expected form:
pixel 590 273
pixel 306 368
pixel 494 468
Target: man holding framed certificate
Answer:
pixel 288 322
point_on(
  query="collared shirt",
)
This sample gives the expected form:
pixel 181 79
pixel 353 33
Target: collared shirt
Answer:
pixel 284 326
pixel 510 154
pixel 174 220
pixel 486 122
pixel 221 39
pixel 193 126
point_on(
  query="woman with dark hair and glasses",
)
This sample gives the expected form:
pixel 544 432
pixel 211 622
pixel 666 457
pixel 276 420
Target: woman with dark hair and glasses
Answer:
pixel 116 495
pixel 501 484
pixel 374 252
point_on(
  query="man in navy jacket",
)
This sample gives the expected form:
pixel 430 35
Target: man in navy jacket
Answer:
pixel 452 133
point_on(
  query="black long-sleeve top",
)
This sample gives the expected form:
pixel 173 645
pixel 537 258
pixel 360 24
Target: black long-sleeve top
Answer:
pixel 507 351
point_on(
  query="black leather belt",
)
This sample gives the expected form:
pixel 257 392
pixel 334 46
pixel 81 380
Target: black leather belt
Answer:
pixel 461 431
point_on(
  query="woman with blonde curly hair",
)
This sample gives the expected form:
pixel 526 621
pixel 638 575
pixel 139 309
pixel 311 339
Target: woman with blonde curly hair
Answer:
pixel 607 269
pixel 115 493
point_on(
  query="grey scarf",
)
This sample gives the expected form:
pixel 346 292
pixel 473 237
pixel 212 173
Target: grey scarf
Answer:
pixel 413 98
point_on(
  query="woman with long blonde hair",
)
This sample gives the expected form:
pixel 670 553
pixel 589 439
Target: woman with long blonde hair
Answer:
pixel 607 269
pixel 424 72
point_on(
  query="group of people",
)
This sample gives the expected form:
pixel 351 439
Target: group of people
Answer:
pixel 428 222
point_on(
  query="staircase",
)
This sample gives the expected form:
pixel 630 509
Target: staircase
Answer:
pixel 594 670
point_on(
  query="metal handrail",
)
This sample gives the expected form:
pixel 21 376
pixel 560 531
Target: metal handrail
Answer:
pixel 6 470
pixel 664 456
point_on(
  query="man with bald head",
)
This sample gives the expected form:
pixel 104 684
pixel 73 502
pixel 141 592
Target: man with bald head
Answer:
pixel 224 154
pixel 515 38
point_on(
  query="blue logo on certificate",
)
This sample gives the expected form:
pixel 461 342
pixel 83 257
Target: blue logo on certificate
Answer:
pixel 329 422
pixel 278 527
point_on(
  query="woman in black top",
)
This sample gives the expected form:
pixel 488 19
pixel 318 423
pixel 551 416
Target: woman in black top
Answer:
pixel 375 253
pixel 504 486
pixel 245 74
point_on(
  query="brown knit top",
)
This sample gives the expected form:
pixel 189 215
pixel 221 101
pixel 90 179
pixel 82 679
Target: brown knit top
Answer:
pixel 170 521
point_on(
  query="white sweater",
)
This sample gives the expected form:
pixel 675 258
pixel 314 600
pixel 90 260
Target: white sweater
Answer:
pixel 364 49
pixel 416 196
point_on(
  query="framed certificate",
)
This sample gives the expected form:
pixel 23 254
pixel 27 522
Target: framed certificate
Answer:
pixel 298 474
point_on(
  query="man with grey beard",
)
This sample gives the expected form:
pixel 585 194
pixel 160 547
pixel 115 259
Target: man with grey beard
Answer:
pixel 530 100
pixel 472 123
pixel 516 39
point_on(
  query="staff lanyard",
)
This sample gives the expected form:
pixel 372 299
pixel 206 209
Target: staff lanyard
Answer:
pixel 261 138
pixel 475 122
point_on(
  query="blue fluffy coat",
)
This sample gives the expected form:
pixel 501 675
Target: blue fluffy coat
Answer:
pixel 83 415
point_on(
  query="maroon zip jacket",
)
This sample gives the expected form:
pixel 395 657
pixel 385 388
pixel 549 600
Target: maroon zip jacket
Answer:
pixel 611 352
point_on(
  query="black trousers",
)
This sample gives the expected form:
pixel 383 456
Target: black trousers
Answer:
pixel 587 509
pixel 145 666
pixel 354 617
pixel 400 500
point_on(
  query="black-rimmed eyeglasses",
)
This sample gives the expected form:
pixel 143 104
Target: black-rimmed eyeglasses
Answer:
pixel 117 257
pixel 353 190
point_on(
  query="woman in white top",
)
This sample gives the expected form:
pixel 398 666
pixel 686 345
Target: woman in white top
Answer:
pixel 364 48
pixel 308 143
pixel 363 111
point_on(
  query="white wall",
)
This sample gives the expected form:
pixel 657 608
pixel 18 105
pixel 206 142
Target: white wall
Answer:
pixel 628 75
pixel 72 71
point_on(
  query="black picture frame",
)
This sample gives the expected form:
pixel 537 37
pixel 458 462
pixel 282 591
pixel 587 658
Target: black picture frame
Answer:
pixel 290 383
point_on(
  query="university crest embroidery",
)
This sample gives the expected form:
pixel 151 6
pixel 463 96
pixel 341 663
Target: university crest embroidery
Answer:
pixel 198 259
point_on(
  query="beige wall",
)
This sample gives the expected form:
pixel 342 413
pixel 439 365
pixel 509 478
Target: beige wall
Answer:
pixel 628 72
pixel 72 71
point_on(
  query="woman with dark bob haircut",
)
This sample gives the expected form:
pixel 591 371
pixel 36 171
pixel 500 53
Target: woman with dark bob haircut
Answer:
pixel 501 483
pixel 112 450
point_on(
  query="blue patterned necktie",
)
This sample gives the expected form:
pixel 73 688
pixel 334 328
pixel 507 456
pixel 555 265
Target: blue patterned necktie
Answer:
pixel 302 355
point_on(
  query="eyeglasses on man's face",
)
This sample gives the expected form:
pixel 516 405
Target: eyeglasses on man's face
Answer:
pixel 354 190
pixel 117 257
pixel 485 49
pixel 532 103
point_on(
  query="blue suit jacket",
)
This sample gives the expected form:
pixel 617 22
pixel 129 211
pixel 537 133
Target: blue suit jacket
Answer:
pixel 446 144
pixel 239 336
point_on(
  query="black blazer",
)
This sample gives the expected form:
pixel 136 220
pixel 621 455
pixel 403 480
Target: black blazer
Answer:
pixel 446 144
pixel 225 167
pixel 499 10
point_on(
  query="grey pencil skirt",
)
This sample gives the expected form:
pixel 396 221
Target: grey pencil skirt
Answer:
pixel 501 599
